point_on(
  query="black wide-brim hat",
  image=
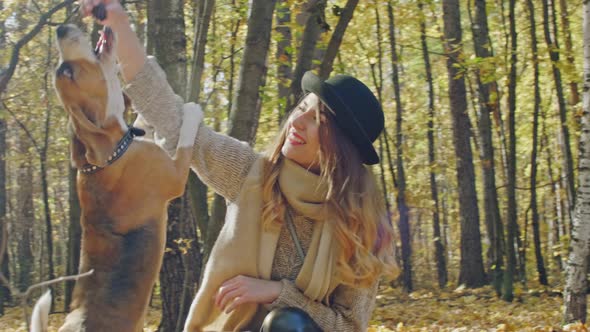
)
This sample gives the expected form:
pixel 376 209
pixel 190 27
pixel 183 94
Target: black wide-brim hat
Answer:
pixel 357 112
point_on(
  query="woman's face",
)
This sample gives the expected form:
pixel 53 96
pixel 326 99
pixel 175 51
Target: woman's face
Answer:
pixel 302 144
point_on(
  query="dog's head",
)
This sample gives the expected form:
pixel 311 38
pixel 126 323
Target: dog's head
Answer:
pixel 87 83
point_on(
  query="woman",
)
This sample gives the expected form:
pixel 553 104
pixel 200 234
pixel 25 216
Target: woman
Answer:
pixel 306 236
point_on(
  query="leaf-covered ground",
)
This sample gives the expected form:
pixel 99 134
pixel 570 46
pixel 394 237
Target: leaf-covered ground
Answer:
pixel 460 310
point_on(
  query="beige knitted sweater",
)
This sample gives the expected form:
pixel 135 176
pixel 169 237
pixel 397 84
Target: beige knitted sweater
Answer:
pixel 222 163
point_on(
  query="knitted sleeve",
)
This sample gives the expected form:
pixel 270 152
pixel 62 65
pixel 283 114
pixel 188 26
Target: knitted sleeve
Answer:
pixel 220 161
pixel 350 310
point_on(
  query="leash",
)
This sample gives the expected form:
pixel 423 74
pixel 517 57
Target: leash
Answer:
pixel 120 149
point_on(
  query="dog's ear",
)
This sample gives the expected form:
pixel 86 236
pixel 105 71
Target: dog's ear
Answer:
pixel 77 149
pixel 94 139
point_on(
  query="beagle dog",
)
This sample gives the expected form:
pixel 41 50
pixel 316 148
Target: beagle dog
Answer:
pixel 124 185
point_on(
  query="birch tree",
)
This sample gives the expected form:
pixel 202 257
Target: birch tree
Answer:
pixel 576 287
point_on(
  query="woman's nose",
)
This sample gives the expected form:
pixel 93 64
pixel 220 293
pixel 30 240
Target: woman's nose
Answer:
pixel 298 121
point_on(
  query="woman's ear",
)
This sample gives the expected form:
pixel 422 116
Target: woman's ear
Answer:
pixel 94 140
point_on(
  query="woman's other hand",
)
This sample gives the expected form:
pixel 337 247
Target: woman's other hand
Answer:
pixel 115 13
pixel 242 289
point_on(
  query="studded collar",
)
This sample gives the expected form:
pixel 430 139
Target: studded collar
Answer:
pixel 120 149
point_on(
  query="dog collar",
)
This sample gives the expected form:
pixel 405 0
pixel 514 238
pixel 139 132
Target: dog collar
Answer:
pixel 120 149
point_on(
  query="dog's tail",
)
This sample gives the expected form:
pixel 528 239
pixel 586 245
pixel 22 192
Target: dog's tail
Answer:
pixel 40 316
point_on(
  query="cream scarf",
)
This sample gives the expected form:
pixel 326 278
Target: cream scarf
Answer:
pixel 243 247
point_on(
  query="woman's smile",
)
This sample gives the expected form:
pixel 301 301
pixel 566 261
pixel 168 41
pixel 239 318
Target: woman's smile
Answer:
pixel 295 139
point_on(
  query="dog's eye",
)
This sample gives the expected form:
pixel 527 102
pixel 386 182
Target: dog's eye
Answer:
pixel 65 69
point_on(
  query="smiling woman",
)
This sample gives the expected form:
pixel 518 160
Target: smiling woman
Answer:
pixel 302 143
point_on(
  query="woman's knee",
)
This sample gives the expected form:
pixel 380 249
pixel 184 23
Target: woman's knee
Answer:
pixel 289 320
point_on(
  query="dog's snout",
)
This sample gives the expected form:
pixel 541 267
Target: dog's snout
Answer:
pixel 62 30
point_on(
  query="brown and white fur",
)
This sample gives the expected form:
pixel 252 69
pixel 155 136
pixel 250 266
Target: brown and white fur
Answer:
pixel 124 204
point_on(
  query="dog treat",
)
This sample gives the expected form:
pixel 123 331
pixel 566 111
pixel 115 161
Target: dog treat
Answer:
pixel 100 12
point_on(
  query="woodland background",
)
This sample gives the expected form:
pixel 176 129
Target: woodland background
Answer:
pixel 479 161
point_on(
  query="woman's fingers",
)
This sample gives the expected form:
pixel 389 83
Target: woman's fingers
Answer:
pixel 236 302
pixel 230 296
pixel 223 291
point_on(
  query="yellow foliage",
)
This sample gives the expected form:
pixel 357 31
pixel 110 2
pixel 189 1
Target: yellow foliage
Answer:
pixel 460 310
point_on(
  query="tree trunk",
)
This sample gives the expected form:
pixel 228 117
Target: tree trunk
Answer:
pixel 197 189
pixel 533 180
pixel 336 39
pixel 314 12
pixel 557 220
pixel 576 287
pixel 284 56
pixel 472 271
pixel 180 268
pixel 511 215
pixel 553 46
pixel 74 235
pixel 4 291
pixel 402 207
pixel 43 162
pixel 232 58
pixel 439 250
pixel 244 118
pixel 200 37
pixel 565 26
pixel 25 215
pixel 480 31
pixel 246 104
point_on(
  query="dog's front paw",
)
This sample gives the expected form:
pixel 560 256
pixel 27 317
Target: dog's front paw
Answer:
pixel 192 113
pixel 191 120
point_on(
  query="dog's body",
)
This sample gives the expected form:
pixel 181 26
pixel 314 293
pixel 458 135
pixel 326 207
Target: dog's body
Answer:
pixel 123 195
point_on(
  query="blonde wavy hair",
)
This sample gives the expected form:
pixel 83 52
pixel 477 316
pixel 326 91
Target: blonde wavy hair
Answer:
pixel 361 223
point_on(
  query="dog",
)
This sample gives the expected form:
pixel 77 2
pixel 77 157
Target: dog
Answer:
pixel 124 185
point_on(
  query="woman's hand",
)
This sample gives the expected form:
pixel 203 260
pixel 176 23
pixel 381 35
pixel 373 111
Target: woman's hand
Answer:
pixel 130 52
pixel 242 289
pixel 115 13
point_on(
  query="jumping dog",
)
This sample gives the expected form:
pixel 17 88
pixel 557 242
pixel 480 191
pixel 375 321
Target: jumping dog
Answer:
pixel 124 185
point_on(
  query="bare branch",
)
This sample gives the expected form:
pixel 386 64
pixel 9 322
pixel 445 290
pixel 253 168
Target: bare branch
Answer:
pixel 6 75
pixel 23 127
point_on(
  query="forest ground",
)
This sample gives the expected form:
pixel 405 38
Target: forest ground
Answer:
pixel 458 310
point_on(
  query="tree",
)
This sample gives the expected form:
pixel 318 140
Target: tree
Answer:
pixel 245 112
pixel 197 189
pixel 315 22
pixel 485 88
pixel 533 181
pixel 74 234
pixel 181 265
pixel 4 291
pixel 402 207
pixel 472 272
pixel 565 26
pixel 439 250
pixel 336 38
pixel 284 57
pixel 553 47
pixel 508 294
pixel 74 227
pixel 6 74
pixel 243 117
pixel 25 215
pixel 576 287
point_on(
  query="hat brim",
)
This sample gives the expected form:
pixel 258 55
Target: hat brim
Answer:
pixel 345 118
